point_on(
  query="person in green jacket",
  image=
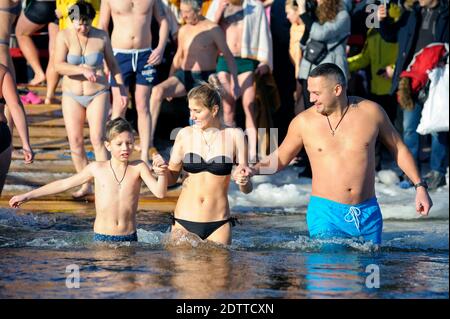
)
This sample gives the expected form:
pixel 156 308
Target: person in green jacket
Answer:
pixel 380 56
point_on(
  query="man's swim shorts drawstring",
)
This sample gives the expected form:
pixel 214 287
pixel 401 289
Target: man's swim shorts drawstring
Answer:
pixel 134 60
pixel 352 216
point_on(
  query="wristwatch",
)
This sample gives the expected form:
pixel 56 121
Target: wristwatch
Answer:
pixel 421 183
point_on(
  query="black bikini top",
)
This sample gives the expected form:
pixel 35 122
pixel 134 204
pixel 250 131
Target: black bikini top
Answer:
pixel 219 165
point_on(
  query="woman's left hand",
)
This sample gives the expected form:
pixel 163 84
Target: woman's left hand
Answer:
pixel 123 97
pixel 28 155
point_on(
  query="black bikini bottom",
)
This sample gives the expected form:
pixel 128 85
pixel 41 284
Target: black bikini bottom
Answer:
pixel 203 229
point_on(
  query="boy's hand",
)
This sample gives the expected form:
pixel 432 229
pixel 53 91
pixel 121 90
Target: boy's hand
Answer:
pixel 159 164
pixel 18 200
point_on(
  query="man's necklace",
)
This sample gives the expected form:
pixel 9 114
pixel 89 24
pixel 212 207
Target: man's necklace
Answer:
pixel 333 131
pixel 114 173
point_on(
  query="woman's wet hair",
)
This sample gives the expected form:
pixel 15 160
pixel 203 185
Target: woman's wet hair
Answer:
pixel 208 93
pixel 82 11
pixel 117 126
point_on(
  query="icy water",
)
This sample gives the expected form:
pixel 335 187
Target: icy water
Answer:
pixel 271 255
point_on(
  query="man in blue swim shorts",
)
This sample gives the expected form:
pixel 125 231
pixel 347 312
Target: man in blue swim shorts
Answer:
pixel 131 40
pixel 339 134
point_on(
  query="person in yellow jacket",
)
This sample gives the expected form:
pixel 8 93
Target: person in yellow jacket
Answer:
pixel 381 57
pixel 62 8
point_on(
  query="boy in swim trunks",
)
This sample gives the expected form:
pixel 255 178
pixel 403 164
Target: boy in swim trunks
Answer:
pixel 117 185
pixel 339 135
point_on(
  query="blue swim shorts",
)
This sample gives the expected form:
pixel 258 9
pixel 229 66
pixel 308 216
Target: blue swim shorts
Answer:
pixel 113 238
pixel 329 219
pixel 134 63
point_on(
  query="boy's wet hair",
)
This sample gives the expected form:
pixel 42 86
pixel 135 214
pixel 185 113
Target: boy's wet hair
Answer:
pixel 117 126
pixel 329 70
pixel 208 93
pixel 82 10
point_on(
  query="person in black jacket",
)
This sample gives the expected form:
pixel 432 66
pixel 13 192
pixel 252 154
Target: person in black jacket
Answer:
pixel 426 22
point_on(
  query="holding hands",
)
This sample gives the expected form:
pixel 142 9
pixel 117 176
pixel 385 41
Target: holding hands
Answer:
pixel 242 176
pixel 159 165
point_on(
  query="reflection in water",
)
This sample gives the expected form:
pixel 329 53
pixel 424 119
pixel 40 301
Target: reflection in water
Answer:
pixel 331 277
pixel 116 266
pixel 268 259
pixel 200 274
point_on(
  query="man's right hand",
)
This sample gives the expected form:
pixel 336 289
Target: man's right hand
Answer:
pixel 382 12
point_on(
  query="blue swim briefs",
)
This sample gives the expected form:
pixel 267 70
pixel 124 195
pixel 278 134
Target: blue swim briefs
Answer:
pixel 329 219
pixel 134 63
pixel 114 238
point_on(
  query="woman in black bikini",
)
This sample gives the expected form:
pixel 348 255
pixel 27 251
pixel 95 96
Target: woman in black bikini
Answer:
pixel 8 92
pixel 207 151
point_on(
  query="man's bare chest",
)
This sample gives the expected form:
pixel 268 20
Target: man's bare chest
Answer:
pixel 132 7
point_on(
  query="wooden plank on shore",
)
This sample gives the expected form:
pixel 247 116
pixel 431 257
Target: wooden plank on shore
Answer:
pixel 36 108
pixel 39 132
pixel 60 166
pixel 34 88
pixel 83 207
pixel 47 121
pixel 53 155
pixel 54 143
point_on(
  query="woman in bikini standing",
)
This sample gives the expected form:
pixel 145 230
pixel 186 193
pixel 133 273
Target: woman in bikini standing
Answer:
pixel 207 151
pixel 80 51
